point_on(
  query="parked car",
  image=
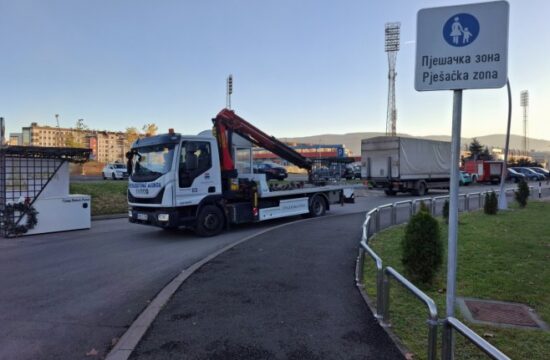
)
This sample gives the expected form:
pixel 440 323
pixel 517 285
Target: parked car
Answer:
pixel 529 174
pixel 464 178
pixel 357 171
pixel 114 171
pixel 348 172
pixel 541 171
pixel 321 173
pixel 515 176
pixel 271 171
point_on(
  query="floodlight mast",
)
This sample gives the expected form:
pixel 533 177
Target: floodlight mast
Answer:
pixel 229 91
pixel 524 99
pixel 391 47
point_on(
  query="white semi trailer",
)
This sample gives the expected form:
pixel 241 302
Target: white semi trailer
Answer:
pixel 402 164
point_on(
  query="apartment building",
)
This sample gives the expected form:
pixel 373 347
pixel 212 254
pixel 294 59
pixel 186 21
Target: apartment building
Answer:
pixel 107 146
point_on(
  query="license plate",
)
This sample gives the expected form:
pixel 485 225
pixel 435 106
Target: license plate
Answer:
pixel 142 217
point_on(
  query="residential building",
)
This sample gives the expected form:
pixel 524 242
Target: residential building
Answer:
pixel 107 146
pixel 15 139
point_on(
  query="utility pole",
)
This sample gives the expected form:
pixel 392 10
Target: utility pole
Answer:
pixel 391 47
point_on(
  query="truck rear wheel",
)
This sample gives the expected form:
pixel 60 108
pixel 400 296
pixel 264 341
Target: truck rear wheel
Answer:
pixel 317 206
pixel 421 190
pixel 390 192
pixel 210 221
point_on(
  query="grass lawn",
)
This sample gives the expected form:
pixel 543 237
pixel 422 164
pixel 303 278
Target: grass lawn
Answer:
pixel 108 197
pixel 504 257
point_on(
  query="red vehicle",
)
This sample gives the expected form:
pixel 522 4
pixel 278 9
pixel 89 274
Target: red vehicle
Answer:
pixel 484 170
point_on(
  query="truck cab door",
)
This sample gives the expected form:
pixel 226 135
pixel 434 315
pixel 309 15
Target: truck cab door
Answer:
pixel 196 176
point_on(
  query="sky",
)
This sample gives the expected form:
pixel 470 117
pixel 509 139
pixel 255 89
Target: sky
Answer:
pixel 300 67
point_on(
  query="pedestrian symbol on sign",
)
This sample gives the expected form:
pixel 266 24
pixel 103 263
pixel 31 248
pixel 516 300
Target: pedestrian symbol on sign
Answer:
pixel 461 30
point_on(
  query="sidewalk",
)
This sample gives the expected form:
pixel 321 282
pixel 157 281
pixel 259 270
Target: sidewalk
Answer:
pixel 287 294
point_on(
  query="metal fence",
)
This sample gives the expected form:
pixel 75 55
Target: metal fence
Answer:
pixel 372 225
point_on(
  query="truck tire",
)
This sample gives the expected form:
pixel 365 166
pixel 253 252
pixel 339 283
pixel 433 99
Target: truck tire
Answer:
pixel 210 221
pixel 421 190
pixel 390 192
pixel 317 206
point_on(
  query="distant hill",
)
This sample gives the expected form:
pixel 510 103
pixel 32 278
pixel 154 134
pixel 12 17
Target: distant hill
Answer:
pixel 352 141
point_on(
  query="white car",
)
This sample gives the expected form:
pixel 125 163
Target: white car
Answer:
pixel 114 171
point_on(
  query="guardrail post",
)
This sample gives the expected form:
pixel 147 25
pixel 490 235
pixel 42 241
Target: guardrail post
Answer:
pixel 411 210
pixel 377 220
pixel 380 306
pixel 447 342
pixel 481 195
pixel 393 214
pixel 360 276
pixel 385 300
pixel 434 206
pixel 432 339
pixel 467 203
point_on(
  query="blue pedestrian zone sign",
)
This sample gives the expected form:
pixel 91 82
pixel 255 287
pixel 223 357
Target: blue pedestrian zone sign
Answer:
pixel 462 47
pixel 461 30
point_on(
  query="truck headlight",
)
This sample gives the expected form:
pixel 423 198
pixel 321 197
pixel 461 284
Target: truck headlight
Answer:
pixel 129 213
pixel 163 217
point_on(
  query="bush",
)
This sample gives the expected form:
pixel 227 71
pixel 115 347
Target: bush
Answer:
pixel 446 211
pixel 422 248
pixel 491 203
pixel 522 194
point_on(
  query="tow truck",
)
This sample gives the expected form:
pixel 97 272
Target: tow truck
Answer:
pixel 206 182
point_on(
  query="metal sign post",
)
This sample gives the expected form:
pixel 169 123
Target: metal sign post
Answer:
pixel 457 48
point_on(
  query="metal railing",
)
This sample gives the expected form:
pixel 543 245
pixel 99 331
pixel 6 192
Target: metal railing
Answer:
pixel 430 304
pixel 383 274
pixel 482 344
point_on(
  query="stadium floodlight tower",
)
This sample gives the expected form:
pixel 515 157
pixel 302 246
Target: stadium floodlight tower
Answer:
pixel 228 91
pixel 524 98
pixel 391 47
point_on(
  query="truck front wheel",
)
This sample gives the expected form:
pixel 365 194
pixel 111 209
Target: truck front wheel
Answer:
pixel 210 221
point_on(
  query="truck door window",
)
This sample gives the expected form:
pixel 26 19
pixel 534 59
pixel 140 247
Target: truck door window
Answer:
pixel 195 159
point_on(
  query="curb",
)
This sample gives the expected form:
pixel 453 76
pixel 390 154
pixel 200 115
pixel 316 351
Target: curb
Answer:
pixel 128 342
pixel 109 217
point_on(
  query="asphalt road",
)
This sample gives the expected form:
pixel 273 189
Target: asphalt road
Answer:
pixel 65 294
pixel 286 294
pixel 68 293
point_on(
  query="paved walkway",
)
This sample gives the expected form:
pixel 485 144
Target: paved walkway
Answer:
pixel 287 294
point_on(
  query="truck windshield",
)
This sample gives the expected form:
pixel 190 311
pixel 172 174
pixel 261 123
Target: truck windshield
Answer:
pixel 151 162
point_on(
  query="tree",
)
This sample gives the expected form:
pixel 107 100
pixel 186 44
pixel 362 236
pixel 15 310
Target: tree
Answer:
pixel 75 138
pixel 486 154
pixel 475 149
pixel 132 134
pixel 72 141
pixel 522 194
pixel 490 206
pixel 422 248
pixel 150 129
pixel 80 125
pixel 524 162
